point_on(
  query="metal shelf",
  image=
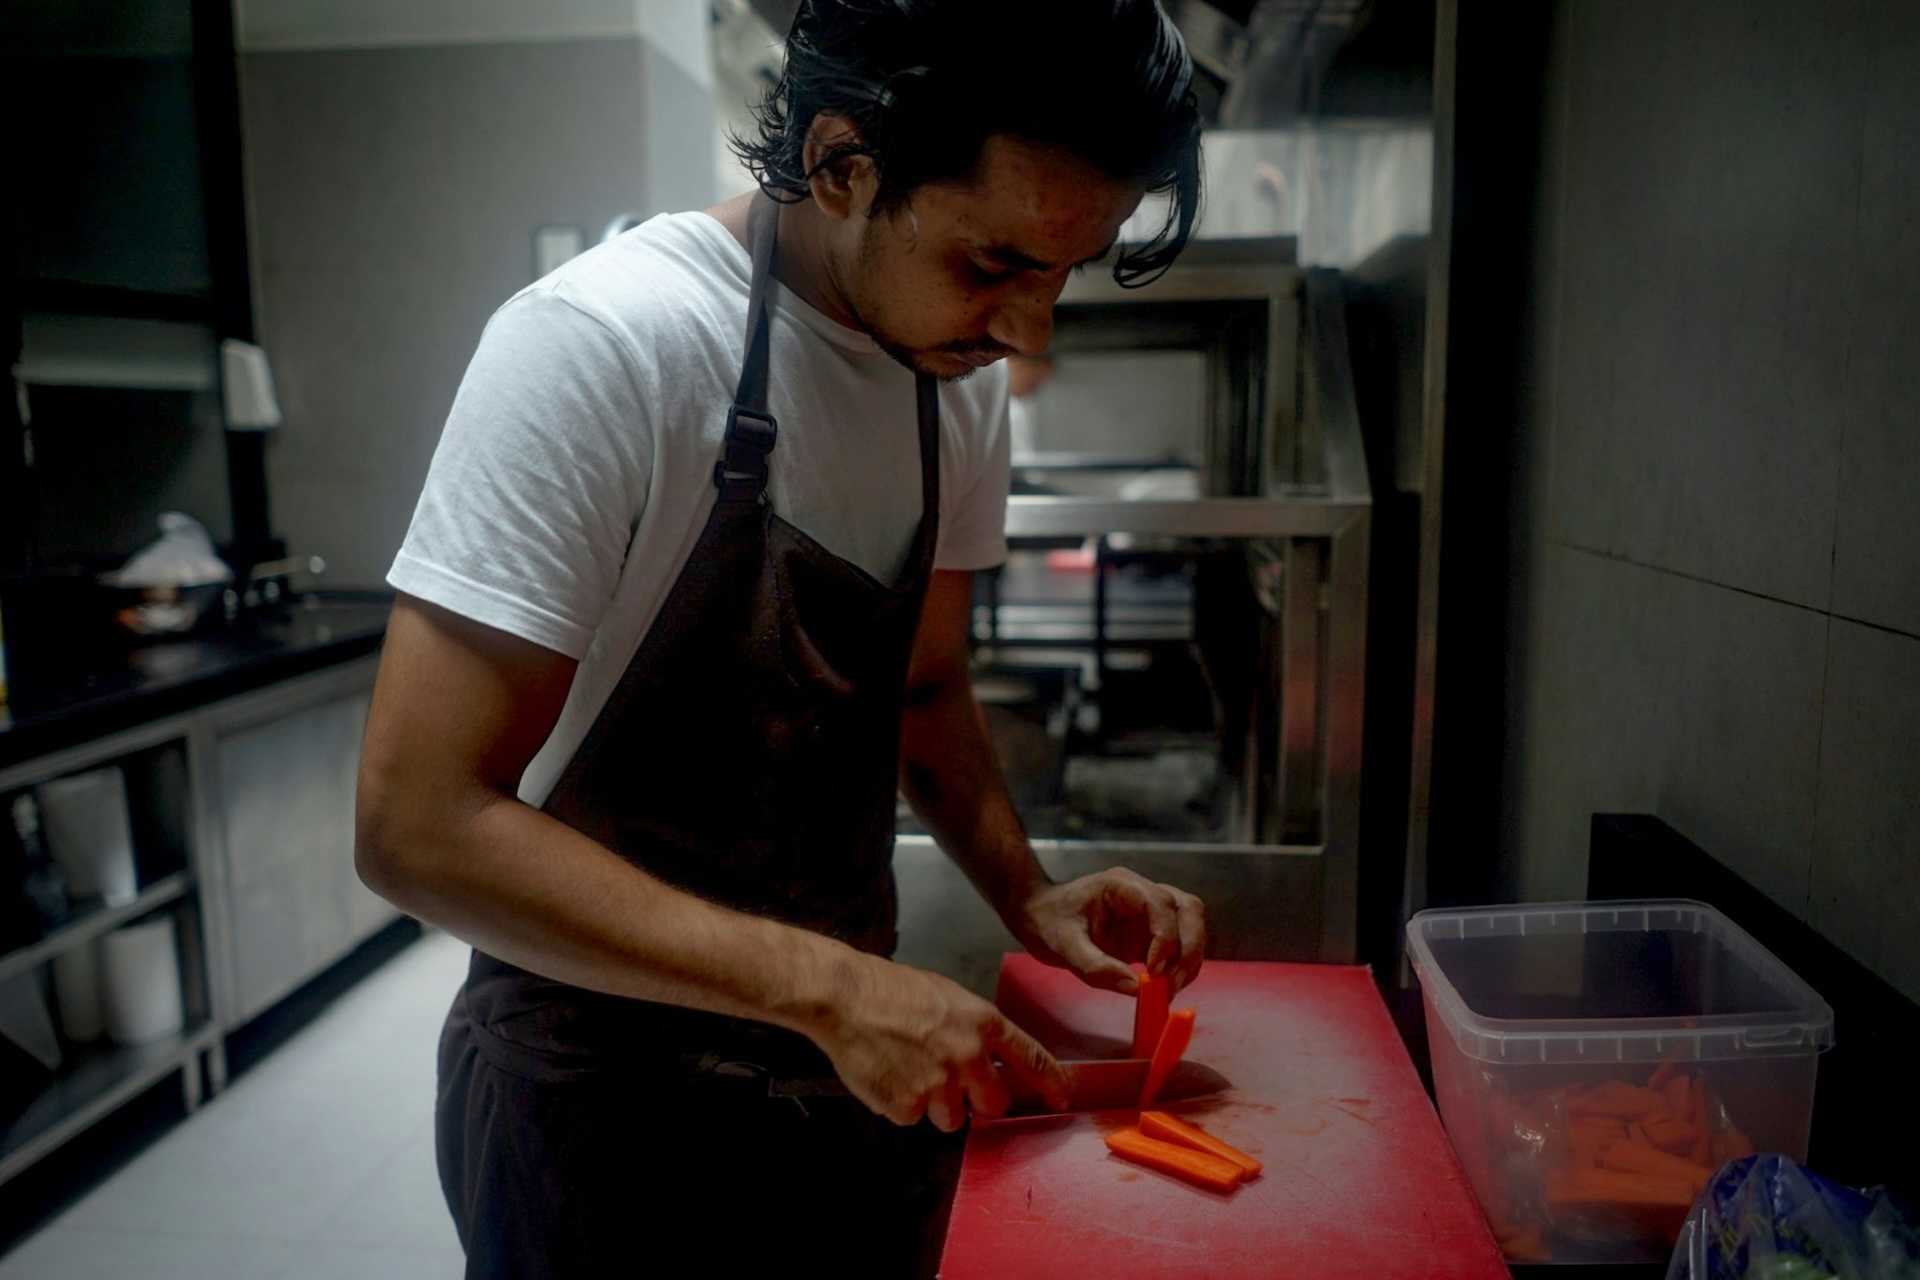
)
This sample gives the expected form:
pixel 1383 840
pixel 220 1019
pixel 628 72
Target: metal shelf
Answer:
pixel 93 1083
pixel 95 920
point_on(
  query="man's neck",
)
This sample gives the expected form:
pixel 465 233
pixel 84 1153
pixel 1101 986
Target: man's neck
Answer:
pixel 801 255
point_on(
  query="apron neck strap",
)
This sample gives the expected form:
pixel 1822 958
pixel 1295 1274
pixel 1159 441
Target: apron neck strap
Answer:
pixel 741 472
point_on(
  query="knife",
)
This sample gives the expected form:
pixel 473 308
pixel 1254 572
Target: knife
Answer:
pixel 1094 1084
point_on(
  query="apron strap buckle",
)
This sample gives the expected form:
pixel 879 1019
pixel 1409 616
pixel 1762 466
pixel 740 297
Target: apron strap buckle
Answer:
pixel 741 471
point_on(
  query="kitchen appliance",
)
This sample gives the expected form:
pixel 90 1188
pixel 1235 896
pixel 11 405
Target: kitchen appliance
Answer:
pixel 1207 640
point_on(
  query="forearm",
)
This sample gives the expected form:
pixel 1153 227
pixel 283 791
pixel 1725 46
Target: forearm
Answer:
pixel 524 887
pixel 951 777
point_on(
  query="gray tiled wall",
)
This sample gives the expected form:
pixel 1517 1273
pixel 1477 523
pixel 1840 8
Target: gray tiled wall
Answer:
pixel 394 194
pixel 1722 624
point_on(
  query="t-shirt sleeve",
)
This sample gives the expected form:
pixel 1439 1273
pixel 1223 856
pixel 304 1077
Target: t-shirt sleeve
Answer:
pixel 973 528
pixel 538 481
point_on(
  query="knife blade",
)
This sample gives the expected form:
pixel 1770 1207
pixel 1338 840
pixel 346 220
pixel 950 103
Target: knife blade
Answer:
pixel 1095 1084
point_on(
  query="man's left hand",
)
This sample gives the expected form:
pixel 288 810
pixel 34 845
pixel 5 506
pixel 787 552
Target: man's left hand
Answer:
pixel 1101 924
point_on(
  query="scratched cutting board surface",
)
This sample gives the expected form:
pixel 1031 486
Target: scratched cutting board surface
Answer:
pixel 1359 1179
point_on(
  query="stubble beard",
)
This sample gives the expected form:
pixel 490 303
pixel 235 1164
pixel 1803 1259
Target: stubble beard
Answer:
pixel 854 292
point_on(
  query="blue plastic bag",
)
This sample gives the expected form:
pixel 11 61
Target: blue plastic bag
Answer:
pixel 1766 1218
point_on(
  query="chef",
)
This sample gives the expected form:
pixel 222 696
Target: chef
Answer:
pixel 684 607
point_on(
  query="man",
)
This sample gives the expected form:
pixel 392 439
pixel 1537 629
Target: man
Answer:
pixel 659 666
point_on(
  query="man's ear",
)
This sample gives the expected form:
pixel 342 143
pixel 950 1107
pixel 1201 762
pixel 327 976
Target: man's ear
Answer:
pixel 845 186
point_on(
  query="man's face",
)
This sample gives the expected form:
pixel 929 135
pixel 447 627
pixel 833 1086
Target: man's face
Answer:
pixel 968 271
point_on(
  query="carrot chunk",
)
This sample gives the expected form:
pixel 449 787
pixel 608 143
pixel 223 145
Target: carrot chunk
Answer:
pixel 1197 1167
pixel 1631 1157
pixel 1670 1134
pixel 1158 1124
pixel 1656 1205
pixel 1617 1100
pixel 1150 1013
pixel 1174 1039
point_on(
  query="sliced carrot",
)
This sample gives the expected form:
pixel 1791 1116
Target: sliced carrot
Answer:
pixel 1702 1149
pixel 1585 1138
pixel 1158 1124
pixel 1613 1186
pixel 1662 1073
pixel 1670 1134
pixel 1631 1157
pixel 1524 1246
pixel 1616 1099
pixel 1604 1196
pixel 1196 1167
pixel 1174 1039
pixel 1149 1013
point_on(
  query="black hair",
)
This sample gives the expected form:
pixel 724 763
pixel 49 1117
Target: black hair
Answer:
pixel 926 83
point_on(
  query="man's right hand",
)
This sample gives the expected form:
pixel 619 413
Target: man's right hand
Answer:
pixel 909 1043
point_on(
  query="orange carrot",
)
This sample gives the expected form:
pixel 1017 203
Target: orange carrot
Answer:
pixel 1616 1099
pixel 1585 1138
pixel 1658 1205
pixel 1612 1186
pixel 1662 1073
pixel 1158 1124
pixel 1149 1013
pixel 1669 1134
pixel 1631 1157
pixel 1524 1245
pixel 1196 1167
pixel 1174 1040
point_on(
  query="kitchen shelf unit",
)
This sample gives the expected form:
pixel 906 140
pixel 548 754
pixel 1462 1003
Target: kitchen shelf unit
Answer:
pixel 96 1078
pixel 242 814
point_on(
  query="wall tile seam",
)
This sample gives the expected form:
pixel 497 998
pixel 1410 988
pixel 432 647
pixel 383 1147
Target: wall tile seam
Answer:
pixel 1567 544
pixel 1865 51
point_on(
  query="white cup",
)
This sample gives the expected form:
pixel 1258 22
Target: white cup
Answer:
pixel 76 991
pixel 84 818
pixel 140 982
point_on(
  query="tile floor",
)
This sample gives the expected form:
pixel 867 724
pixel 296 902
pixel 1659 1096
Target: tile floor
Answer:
pixel 315 1165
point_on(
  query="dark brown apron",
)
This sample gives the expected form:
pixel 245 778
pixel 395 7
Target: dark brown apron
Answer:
pixel 749 756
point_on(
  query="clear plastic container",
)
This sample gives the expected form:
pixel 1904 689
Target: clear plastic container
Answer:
pixel 1595 1061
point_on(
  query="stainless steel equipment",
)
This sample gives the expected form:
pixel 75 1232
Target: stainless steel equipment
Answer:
pixel 1275 612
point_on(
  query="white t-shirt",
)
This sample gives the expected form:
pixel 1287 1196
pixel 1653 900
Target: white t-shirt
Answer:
pixel 575 472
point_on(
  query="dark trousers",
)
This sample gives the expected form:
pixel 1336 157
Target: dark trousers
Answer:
pixel 568 1173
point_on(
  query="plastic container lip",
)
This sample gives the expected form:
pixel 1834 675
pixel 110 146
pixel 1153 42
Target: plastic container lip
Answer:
pixel 1803 1025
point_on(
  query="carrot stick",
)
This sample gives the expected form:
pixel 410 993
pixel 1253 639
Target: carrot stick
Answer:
pixel 1524 1246
pixel 1662 1073
pixel 1669 1134
pixel 1603 1195
pixel 1149 1013
pixel 1174 1039
pixel 1616 1099
pixel 1631 1157
pixel 1610 1186
pixel 1196 1167
pixel 1158 1124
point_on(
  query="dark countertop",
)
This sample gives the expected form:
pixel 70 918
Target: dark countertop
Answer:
pixel 50 710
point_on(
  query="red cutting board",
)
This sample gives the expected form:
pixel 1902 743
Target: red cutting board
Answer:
pixel 1360 1181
